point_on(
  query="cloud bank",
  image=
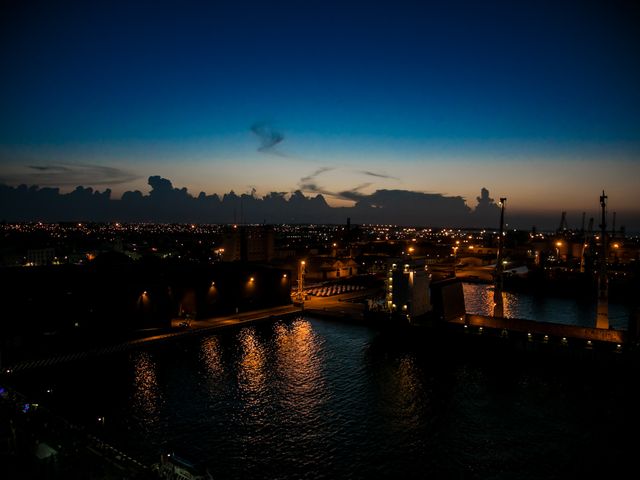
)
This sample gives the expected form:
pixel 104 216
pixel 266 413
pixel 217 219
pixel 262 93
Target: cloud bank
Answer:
pixel 166 203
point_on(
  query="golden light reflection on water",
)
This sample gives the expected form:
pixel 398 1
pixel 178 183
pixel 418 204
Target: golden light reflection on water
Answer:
pixel 146 394
pixel 211 357
pixel 406 397
pixel 298 361
pixel 508 303
pixel 251 368
pixel 479 300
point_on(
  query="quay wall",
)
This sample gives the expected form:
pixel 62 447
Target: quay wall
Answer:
pixel 543 328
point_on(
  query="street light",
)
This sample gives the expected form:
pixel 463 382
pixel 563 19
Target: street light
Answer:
pixel 301 271
pixel 558 245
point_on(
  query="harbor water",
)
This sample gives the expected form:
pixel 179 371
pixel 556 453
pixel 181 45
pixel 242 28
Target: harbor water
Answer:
pixel 478 299
pixel 313 398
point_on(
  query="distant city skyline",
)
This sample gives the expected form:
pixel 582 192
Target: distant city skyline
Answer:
pixel 535 102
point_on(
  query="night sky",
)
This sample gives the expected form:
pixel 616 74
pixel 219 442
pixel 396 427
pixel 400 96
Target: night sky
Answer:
pixel 536 101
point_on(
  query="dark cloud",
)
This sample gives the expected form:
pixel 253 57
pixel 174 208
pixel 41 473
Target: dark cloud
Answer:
pixel 68 174
pixel 269 138
pixel 315 174
pixel 378 175
pixel 487 210
pixel 51 168
pixel 315 188
pixel 353 194
pixel 308 184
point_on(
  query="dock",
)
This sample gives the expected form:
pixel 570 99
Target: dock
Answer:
pixel 196 327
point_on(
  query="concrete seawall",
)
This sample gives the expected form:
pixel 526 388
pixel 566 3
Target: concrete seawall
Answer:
pixel 554 330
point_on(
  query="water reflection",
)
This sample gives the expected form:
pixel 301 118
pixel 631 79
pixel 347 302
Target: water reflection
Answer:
pixel 251 367
pixel 147 399
pixel 404 395
pixel 478 300
pixel 211 357
pixel 299 367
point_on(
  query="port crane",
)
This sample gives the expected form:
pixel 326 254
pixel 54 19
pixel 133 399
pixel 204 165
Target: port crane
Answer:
pixel 563 223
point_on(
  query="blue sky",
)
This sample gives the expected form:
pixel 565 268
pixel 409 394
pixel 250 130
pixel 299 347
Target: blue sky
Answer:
pixel 537 101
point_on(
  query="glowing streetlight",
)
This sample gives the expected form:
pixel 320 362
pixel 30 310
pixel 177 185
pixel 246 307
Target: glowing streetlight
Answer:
pixel 301 271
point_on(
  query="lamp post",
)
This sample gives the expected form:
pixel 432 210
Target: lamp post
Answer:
pixel 602 315
pixel 558 245
pixel 498 308
pixel 301 269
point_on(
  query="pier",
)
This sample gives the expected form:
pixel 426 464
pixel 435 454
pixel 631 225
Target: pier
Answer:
pixel 551 333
